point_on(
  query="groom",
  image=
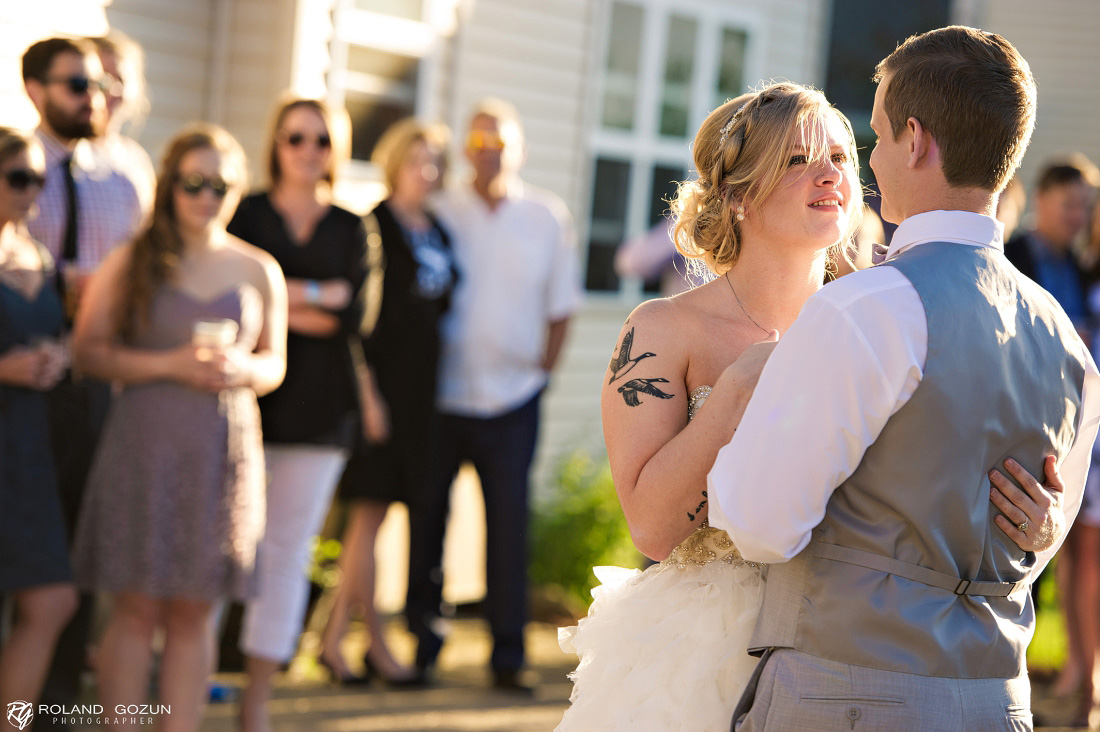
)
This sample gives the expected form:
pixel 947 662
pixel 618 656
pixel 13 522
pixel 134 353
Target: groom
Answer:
pixel 894 601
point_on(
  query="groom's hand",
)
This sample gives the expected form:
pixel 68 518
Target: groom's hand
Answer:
pixel 1037 508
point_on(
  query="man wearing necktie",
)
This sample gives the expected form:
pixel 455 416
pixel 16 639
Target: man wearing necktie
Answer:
pixel 85 209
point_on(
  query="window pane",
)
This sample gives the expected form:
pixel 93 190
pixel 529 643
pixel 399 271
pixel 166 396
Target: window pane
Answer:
pixel 391 66
pixel 411 9
pixel 381 89
pixel 679 61
pixel 666 179
pixel 610 190
pixel 621 77
pixel 731 68
pixel 370 117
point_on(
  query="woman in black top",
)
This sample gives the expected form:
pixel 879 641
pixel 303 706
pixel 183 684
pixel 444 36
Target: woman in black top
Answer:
pixel 309 423
pixel 403 353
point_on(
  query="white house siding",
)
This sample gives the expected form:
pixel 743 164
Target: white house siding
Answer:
pixel 23 23
pixel 258 67
pixel 1061 41
pixel 221 61
pixel 176 38
pixel 794 34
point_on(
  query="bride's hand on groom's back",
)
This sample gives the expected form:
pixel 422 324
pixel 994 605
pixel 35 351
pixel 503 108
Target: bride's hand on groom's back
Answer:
pixel 740 377
pixel 1033 517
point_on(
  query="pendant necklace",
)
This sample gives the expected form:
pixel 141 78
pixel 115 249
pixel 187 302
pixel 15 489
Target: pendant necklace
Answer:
pixel 742 306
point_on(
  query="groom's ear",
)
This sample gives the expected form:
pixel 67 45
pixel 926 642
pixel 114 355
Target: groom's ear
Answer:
pixel 923 149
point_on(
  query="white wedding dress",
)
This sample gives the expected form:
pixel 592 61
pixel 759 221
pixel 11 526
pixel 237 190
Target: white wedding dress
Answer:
pixel 666 650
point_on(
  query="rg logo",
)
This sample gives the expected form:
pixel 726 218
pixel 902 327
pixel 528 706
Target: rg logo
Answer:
pixel 20 713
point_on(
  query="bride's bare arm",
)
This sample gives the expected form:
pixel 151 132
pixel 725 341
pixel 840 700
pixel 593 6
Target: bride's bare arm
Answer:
pixel 658 460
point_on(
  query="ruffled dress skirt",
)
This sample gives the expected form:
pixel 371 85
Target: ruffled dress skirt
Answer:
pixel 666 650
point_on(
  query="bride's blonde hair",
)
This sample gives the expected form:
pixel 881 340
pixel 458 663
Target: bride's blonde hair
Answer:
pixel 741 153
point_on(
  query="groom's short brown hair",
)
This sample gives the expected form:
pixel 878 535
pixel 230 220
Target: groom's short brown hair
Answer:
pixel 973 92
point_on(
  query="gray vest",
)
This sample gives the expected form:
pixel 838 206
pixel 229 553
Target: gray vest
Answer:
pixel 908 572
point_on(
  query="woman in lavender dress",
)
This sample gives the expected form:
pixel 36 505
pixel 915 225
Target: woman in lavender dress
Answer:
pixel 174 506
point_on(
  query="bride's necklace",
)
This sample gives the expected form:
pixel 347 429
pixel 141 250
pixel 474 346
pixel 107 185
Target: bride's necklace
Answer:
pixel 742 306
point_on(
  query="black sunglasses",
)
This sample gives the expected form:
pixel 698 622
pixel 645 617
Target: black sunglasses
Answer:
pixel 193 184
pixel 20 179
pixel 296 139
pixel 81 84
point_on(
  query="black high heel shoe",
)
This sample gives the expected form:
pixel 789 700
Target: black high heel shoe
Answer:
pixel 417 680
pixel 344 679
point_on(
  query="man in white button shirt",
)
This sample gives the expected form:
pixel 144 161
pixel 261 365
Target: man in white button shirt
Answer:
pixel 518 285
pixel 896 599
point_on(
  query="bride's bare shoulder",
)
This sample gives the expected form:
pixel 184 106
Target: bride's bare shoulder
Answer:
pixel 668 324
pixel 660 317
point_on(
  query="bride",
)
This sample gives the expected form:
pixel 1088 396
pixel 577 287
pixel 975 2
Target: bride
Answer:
pixel 776 201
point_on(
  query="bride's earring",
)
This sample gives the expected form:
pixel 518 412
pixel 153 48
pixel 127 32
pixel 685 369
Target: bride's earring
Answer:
pixel 740 215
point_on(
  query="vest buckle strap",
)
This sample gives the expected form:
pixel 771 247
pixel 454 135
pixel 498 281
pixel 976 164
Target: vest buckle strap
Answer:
pixel 917 573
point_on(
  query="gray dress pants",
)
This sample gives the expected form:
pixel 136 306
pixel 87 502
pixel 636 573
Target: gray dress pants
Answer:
pixel 798 692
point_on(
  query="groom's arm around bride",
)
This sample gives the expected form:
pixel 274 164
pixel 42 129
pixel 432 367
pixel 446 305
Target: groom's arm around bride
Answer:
pixel 895 601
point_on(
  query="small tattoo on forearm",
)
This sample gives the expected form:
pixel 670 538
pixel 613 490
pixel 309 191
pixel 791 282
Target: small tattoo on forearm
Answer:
pixel 698 508
pixel 623 363
pixel 632 388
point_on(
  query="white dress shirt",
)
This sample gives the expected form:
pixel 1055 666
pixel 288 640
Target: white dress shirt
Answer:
pixel 853 357
pixel 517 273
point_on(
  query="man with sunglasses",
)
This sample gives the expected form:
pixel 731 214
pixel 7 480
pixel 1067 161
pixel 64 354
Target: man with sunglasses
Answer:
pixel 64 79
pixel 87 207
pixel 518 285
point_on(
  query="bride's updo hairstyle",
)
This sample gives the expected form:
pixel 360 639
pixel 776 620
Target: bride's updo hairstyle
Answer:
pixel 742 151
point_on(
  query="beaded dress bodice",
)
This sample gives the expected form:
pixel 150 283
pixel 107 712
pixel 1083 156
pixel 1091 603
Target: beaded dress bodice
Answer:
pixel 706 544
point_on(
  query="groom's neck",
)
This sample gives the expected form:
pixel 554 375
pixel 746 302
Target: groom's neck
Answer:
pixel 953 198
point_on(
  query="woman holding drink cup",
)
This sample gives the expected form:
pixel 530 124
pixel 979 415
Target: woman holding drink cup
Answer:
pixel 34 563
pixel 191 322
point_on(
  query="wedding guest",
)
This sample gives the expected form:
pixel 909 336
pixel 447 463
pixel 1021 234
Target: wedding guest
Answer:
pixel 403 356
pixel 309 422
pixel 34 562
pixel 126 106
pixel 87 208
pixel 1079 563
pixel 191 323
pixel 514 246
pixel 1045 253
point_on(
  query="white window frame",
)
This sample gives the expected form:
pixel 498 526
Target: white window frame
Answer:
pixel 644 147
pixel 421 40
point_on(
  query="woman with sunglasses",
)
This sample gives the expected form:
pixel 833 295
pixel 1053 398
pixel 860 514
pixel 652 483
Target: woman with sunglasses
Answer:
pixel 403 353
pixel 309 422
pixel 190 324
pixel 34 563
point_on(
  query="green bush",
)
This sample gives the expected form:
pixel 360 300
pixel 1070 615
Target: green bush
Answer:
pixel 580 526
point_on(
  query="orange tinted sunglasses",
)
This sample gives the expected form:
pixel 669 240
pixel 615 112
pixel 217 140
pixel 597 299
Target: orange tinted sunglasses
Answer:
pixel 481 140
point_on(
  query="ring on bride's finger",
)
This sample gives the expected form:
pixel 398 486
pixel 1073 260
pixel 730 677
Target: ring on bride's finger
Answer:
pixel 1022 526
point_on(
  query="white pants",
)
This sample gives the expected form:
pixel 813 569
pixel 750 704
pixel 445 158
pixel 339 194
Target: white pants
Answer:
pixel 301 480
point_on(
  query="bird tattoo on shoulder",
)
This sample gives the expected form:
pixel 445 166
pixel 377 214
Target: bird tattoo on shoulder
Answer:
pixel 631 389
pixel 623 363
